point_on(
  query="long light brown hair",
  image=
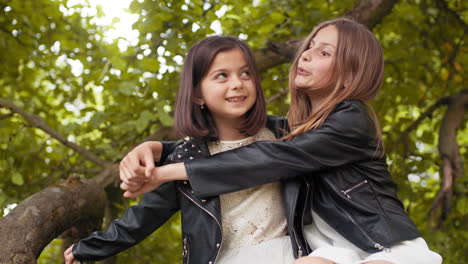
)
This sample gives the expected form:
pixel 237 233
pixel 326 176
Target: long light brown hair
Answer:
pixel 356 74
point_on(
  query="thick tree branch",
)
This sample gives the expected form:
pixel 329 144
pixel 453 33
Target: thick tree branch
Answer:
pixel 371 12
pixel 276 53
pixel 38 122
pixel 109 175
pixel 452 162
pixel 48 213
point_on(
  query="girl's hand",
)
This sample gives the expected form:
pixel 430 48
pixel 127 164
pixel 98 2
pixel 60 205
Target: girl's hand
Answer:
pixel 131 188
pixel 160 175
pixel 137 166
pixel 68 256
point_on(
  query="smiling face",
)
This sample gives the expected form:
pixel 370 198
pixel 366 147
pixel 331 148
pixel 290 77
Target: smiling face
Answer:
pixel 227 90
pixel 315 63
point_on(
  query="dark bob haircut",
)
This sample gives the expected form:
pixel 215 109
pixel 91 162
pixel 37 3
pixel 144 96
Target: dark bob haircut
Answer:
pixel 192 121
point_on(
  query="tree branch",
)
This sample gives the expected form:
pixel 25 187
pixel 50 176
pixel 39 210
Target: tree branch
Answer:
pixel 38 122
pixel 277 95
pixel 46 214
pixel 371 12
pixel 452 162
pixel 428 113
pixel 5 116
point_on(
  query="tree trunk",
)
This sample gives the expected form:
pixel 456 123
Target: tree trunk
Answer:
pixel 37 220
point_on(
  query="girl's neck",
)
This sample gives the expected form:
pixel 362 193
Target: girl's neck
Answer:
pixel 229 131
pixel 316 101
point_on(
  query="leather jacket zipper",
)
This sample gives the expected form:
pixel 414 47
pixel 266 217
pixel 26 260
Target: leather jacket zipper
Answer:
pixel 349 190
pixel 208 212
pixel 185 252
pixel 302 217
pixel 299 248
pixel 374 243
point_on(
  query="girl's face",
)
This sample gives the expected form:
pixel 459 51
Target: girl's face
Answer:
pixel 315 63
pixel 227 89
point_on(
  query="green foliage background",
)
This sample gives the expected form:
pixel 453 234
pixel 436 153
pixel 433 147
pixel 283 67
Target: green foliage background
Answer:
pixel 120 97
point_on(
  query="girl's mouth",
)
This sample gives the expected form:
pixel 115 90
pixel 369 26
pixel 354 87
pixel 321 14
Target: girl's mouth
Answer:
pixel 236 99
pixel 301 71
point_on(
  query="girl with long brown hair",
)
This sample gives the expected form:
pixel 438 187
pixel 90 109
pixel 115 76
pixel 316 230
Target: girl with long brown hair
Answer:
pixel 334 144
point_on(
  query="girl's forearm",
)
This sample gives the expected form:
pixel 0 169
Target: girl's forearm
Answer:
pixel 171 172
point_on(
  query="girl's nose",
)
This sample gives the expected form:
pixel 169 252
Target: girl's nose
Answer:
pixel 306 56
pixel 236 83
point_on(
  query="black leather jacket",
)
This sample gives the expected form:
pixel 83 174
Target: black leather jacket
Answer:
pixel 201 218
pixel 351 185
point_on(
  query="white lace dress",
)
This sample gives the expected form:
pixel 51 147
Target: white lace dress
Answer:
pixel 253 220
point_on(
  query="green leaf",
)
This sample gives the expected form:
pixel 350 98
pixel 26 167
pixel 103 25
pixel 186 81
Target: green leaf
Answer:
pixel 276 17
pixel 143 121
pixel 115 20
pixel 127 88
pixel 149 65
pixel 17 178
pixel 462 206
pixel 165 118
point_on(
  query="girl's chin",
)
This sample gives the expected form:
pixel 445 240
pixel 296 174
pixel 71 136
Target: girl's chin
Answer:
pixel 301 86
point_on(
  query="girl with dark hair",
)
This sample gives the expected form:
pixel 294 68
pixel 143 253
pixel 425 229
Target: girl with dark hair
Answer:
pixel 334 143
pixel 220 106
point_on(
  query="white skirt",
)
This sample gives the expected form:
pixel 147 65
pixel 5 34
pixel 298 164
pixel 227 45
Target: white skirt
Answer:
pixel 407 252
pixel 328 244
pixel 273 251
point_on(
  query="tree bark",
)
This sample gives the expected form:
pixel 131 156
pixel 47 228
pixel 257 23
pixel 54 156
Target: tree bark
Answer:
pixel 43 216
pixel 452 162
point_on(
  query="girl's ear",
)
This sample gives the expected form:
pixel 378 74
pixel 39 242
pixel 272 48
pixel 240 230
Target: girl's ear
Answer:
pixel 199 101
pixel 347 82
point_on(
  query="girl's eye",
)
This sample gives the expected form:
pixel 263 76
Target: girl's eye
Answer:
pixel 325 53
pixel 245 74
pixel 221 76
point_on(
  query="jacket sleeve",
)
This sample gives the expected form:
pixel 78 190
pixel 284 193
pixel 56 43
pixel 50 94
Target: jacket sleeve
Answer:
pixel 137 223
pixel 347 136
pixel 168 147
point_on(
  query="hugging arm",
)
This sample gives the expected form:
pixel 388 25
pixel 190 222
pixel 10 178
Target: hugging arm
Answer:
pixel 140 162
pixel 347 136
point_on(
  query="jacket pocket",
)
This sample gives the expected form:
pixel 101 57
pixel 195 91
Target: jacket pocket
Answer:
pixel 348 191
pixel 186 251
